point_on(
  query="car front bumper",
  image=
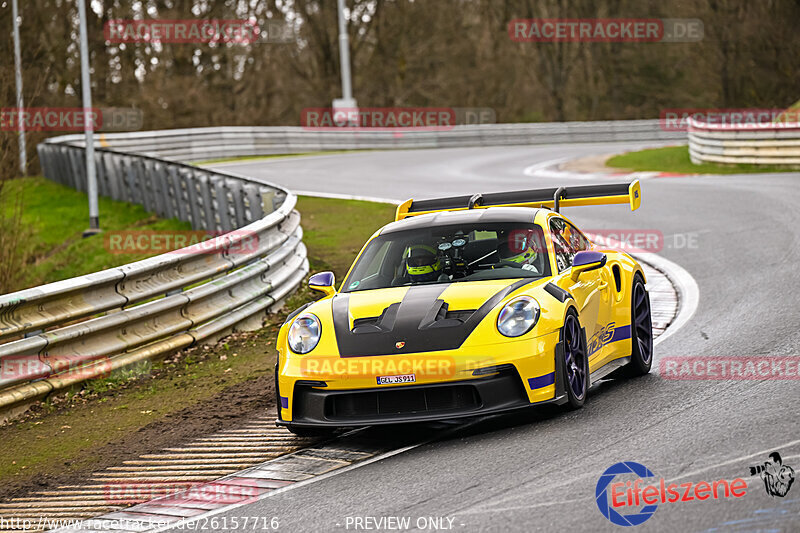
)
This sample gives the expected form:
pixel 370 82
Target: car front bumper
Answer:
pixel 502 388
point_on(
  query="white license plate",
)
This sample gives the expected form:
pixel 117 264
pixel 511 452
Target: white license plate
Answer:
pixel 393 380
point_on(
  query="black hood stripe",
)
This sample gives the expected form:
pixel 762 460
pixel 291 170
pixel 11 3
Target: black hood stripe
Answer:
pixel 408 324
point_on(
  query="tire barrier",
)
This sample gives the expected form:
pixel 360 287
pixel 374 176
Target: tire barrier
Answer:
pixel 775 144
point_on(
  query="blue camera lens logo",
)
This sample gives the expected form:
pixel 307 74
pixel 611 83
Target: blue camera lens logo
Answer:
pixel 602 497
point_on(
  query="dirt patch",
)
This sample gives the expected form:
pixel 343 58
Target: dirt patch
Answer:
pixel 227 408
pixel 591 164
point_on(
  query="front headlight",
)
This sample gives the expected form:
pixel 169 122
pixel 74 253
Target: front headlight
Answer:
pixel 304 333
pixel 518 316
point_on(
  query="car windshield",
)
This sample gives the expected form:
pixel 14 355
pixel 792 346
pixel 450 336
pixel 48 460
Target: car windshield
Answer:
pixel 445 254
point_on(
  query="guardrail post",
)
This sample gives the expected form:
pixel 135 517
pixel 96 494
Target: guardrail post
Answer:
pixel 113 174
pixel 221 205
pixel 78 170
pixel 237 202
pixel 267 201
pixel 175 197
pixel 195 200
pixel 160 188
pixel 102 177
pixel 253 200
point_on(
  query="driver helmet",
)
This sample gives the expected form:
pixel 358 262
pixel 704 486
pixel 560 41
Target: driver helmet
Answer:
pixel 519 248
pixel 422 263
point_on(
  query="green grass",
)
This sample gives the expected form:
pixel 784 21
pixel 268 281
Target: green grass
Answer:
pixel 335 230
pixel 676 159
pixel 55 216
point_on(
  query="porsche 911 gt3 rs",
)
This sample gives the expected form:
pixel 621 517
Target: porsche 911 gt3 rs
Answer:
pixel 467 306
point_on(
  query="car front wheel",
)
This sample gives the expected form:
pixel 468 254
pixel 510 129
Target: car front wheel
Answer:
pixel 576 361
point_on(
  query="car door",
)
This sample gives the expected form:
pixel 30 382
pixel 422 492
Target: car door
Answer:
pixel 591 291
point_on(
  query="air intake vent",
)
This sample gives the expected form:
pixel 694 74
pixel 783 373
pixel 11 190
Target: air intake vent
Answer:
pixel 402 401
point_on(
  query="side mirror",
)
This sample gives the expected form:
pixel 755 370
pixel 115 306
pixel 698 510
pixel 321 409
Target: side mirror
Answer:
pixel 322 282
pixel 586 261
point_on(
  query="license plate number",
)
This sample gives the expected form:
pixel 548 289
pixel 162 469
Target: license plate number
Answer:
pixel 393 380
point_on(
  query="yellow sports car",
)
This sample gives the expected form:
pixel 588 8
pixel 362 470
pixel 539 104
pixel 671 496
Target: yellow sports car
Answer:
pixel 467 306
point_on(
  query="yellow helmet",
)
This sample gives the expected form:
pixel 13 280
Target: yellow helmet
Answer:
pixel 524 251
pixel 422 263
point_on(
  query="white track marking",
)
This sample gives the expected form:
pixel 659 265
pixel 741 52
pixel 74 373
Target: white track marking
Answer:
pixel 742 458
pixel 533 169
pixel 315 479
pixel 549 170
pixel 684 283
pixel 549 488
pixel 525 506
pixel 338 196
pixel 688 291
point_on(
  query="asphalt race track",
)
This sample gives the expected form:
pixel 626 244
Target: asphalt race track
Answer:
pixel 737 235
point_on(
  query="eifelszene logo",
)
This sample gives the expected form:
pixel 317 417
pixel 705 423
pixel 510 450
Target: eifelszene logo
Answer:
pixel 641 498
pixel 608 508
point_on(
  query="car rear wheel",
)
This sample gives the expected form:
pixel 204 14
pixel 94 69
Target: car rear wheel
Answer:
pixel 641 331
pixel 576 362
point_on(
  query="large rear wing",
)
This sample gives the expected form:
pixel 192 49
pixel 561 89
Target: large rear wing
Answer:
pixel 554 198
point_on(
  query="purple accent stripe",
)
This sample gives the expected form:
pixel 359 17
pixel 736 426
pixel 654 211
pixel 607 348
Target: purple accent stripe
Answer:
pixel 621 333
pixel 285 402
pixel 542 381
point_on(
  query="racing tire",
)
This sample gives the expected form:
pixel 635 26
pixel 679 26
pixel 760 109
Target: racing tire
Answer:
pixel 576 361
pixel 641 331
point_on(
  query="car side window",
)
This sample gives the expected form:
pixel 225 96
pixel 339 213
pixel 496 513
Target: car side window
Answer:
pixel 375 264
pixel 567 241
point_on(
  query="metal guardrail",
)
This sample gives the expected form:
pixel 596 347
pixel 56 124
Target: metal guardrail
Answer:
pixel 199 144
pixel 775 144
pixel 77 329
